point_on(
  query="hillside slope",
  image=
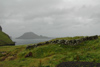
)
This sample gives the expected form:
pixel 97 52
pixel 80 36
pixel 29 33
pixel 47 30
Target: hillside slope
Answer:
pixel 50 55
pixel 5 39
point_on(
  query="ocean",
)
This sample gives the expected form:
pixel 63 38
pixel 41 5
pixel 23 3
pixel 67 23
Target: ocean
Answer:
pixel 28 41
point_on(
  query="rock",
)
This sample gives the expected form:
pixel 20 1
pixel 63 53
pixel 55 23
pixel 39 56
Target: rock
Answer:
pixel 31 46
pixel 46 42
pixel 39 44
pixel 0 28
pixel 95 37
pixel 57 41
pixel 62 41
pixel 29 55
pixel 66 42
pixel 78 64
pixel 50 42
pixel 75 41
pixel 91 37
pixel 54 41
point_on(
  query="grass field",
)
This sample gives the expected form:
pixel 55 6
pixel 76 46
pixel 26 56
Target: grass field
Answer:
pixel 50 55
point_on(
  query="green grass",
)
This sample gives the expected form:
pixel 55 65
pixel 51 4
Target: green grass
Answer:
pixel 69 38
pixel 4 39
pixel 50 55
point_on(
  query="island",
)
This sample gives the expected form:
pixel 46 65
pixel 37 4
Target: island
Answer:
pixel 31 35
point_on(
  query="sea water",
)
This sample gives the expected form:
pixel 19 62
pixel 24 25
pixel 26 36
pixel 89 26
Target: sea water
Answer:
pixel 28 41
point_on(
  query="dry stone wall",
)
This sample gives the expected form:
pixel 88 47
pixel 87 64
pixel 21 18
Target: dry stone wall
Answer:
pixel 65 42
pixel 74 41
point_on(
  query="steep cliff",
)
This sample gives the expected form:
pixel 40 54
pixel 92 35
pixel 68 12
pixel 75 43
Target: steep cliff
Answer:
pixel 5 39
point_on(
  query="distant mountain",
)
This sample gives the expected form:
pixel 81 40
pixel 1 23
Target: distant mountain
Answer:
pixel 31 35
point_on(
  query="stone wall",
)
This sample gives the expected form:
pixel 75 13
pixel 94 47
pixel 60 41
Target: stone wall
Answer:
pixel 65 42
pixel 74 41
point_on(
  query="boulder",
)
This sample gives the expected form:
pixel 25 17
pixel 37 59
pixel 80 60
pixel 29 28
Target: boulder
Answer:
pixel 47 42
pixel 78 64
pixel 39 44
pixel 62 41
pixel 29 55
pixel 66 42
pixel 31 46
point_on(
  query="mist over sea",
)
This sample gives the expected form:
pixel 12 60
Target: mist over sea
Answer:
pixel 28 41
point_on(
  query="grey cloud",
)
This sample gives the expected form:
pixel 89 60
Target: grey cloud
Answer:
pixel 50 17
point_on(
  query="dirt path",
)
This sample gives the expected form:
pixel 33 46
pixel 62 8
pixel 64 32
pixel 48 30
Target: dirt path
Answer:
pixel 14 56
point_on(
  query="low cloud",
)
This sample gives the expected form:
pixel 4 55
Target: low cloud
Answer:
pixel 50 17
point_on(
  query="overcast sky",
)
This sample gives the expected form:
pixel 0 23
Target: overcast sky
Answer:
pixel 53 18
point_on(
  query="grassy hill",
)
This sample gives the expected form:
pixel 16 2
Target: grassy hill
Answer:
pixel 5 39
pixel 50 55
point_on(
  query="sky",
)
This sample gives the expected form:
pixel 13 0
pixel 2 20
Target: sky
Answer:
pixel 52 18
